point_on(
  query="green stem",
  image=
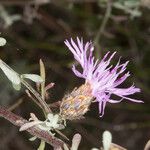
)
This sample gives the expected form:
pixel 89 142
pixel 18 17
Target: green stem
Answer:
pixel 104 22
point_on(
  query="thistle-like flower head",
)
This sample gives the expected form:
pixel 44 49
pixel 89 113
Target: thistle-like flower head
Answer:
pixel 103 78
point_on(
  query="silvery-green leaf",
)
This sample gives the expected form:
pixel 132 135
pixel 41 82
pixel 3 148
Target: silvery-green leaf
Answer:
pixel 76 141
pixel 136 13
pixel 50 116
pixel 44 127
pixel 131 4
pixel 42 74
pixel 42 145
pixel 33 138
pixel 34 77
pixel 118 5
pixel 29 125
pixel 11 74
pixel 107 139
pixel 17 86
pixel 65 147
pixel 2 41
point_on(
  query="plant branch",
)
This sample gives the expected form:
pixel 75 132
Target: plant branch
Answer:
pixel 15 105
pixel 104 22
pixel 33 99
pixel 38 96
pixel 19 121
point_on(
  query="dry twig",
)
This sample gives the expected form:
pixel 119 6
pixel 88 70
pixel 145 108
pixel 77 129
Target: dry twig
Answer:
pixel 19 121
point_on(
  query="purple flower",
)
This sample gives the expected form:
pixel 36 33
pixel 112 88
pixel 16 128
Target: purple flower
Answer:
pixel 103 78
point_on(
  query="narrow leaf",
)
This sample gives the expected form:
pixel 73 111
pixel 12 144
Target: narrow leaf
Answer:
pixel 33 138
pixel 29 125
pixel 76 141
pixel 42 145
pixel 42 73
pixel 17 86
pixel 10 73
pixel 65 147
pixel 107 139
pixel 34 77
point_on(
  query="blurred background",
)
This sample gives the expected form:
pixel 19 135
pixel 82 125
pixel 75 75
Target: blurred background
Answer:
pixel 36 29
